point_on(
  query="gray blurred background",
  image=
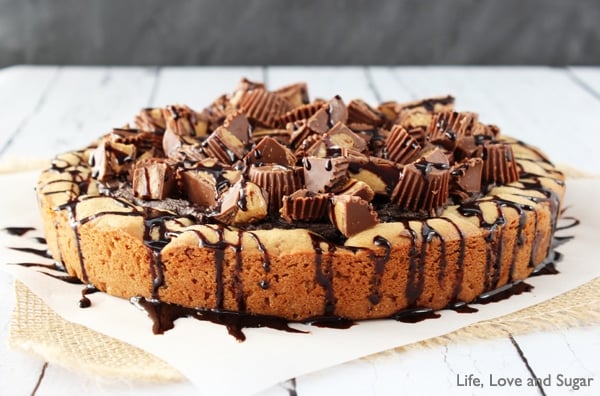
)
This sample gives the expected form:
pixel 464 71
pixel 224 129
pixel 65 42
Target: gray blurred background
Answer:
pixel 280 32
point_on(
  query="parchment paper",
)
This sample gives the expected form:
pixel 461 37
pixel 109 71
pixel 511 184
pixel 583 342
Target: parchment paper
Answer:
pixel 217 364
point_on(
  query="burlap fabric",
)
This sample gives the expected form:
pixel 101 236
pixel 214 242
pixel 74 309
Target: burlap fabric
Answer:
pixel 37 329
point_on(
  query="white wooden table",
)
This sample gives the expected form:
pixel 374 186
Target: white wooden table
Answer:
pixel 46 110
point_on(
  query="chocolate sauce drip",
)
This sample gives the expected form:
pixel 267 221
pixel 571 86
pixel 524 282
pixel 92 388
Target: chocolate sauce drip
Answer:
pixel 414 282
pixel 53 266
pixel 573 223
pixel 65 278
pixel 38 252
pixel 219 258
pixel 503 292
pixel 415 315
pixel 379 267
pixel 324 271
pixel 240 298
pixel 460 262
pixel 331 322
pixel 461 307
pixel 18 231
pixel 163 316
pixel 85 302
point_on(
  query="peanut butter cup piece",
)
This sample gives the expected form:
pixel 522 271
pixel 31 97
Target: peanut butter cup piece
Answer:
pixel 281 135
pixel 341 136
pixel 204 183
pixel 142 140
pixel 153 178
pixel 263 107
pixel 447 127
pixel 357 188
pixel 296 94
pixel 400 146
pixel 151 120
pixel 237 123
pixel 269 151
pixel 183 121
pixel 424 185
pixel 304 205
pixel 361 113
pixel 242 203
pixel 225 146
pixel 299 132
pixel 465 178
pixel 244 87
pixel 325 174
pixel 112 159
pixel 378 173
pixel 303 112
pixel 499 165
pixel 351 214
pixel 277 181
pixel 433 105
pixel 172 142
pixel 330 114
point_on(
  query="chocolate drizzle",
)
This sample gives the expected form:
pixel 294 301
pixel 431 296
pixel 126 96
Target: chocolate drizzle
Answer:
pixel 379 267
pixel 324 271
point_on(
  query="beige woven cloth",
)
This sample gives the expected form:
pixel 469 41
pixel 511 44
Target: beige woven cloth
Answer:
pixel 37 329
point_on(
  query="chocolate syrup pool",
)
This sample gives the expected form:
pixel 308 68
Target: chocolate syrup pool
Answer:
pixel 164 315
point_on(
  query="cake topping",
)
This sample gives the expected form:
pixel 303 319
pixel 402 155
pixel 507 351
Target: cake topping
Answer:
pixel 277 181
pixel 295 94
pixel 304 205
pixel 269 151
pixel 237 124
pixel 112 159
pixel 351 214
pixel 184 121
pixel 465 178
pixel 150 120
pixel 361 113
pixel 357 188
pixel 263 107
pixel 243 89
pixel 206 181
pixel 153 178
pixel 325 174
pixel 330 114
pixel 424 185
pixel 378 173
pixel 499 165
pixel 401 147
pixel 243 203
pixel 303 112
pixel 341 136
pixel 225 146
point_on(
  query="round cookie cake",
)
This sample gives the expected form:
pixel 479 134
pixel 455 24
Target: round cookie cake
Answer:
pixel 265 203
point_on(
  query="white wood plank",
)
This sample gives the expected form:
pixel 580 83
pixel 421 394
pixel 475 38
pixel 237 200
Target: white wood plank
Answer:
pixel 198 87
pixel 590 76
pixel 82 104
pixel 22 91
pixel 542 106
pixel 325 82
pixel 573 353
pixel 427 371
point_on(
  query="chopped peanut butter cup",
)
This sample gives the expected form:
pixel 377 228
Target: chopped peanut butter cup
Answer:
pixel 465 178
pixel 270 151
pixel 303 112
pixel 112 159
pixel 351 214
pixel 424 184
pixel 151 120
pixel 341 136
pixel 153 178
pixel 330 114
pixel 184 121
pixel 264 107
pixel 361 113
pixel 499 164
pixel 277 181
pixel 304 205
pixel 401 147
pixel 243 203
pixel 295 94
pixel 225 146
pixel 325 174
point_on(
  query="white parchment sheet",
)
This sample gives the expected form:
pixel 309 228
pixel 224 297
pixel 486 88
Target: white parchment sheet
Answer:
pixel 217 364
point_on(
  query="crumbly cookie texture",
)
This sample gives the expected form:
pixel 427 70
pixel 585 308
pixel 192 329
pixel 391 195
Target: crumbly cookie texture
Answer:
pixel 266 203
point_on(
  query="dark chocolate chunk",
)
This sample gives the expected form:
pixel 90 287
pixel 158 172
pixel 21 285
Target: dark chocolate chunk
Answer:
pixel 304 205
pixel 269 151
pixel 351 214
pixel 400 146
pixel 153 178
pixel 325 174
